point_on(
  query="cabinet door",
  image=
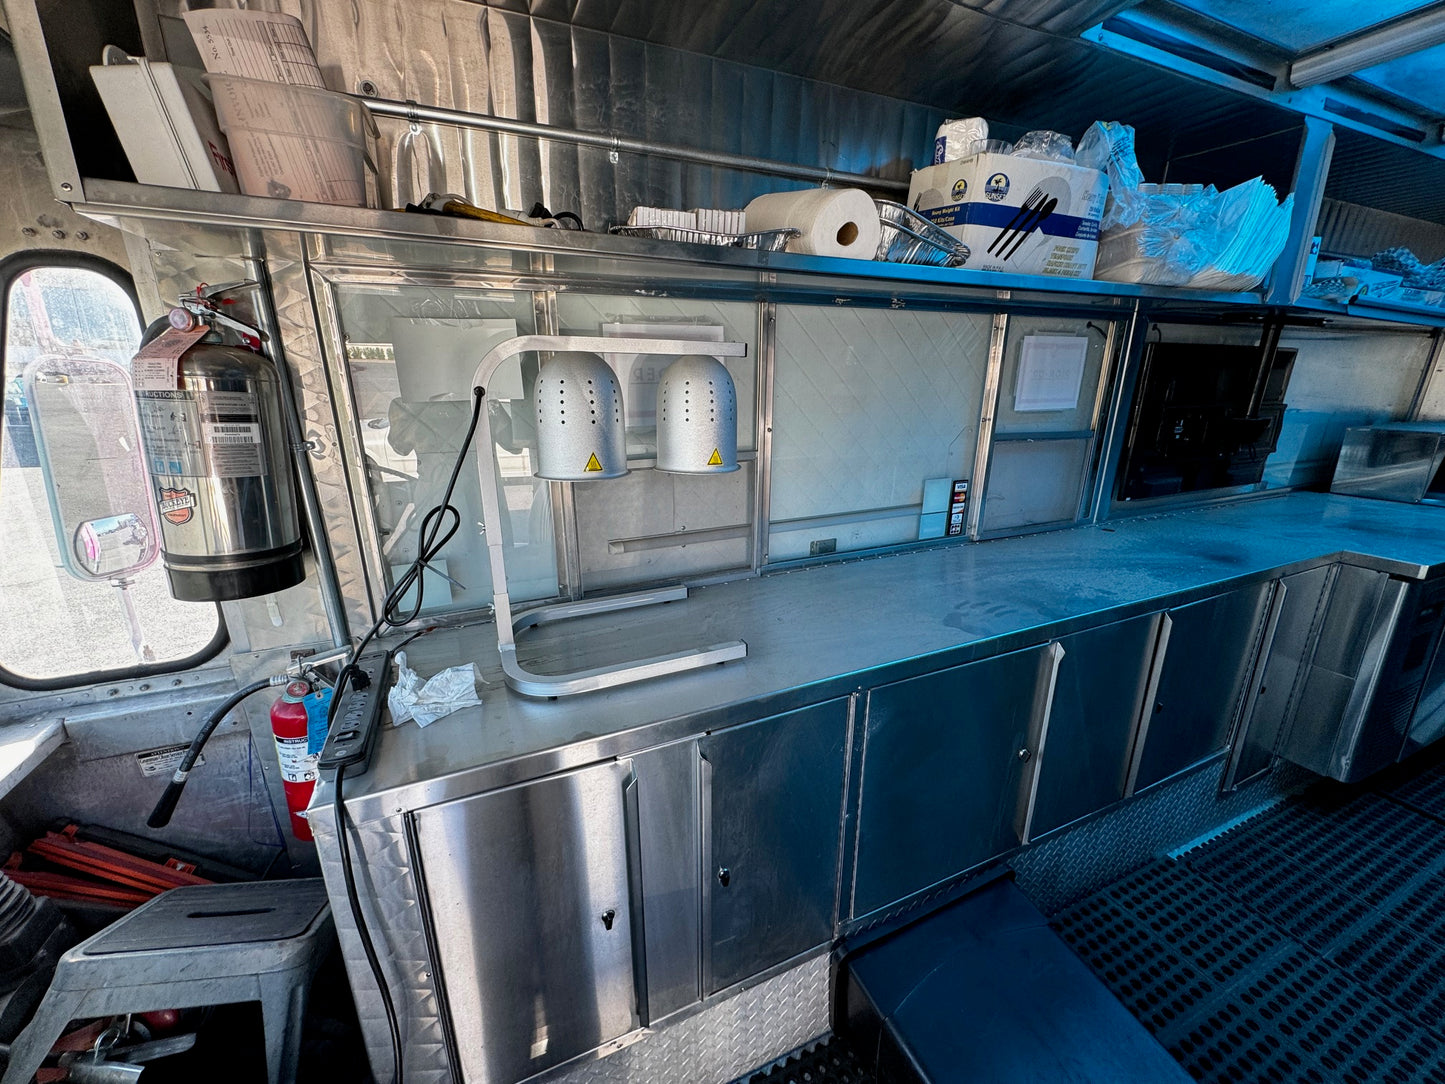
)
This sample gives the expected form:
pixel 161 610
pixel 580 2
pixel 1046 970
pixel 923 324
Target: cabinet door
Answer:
pixel 1204 658
pixel 941 771
pixel 1082 762
pixel 528 892
pixel 772 806
pixel 1295 614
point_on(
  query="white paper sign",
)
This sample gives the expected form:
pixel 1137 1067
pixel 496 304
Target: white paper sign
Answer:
pixel 1051 372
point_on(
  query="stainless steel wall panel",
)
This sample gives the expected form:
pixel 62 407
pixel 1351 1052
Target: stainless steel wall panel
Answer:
pixel 391 902
pixel 1347 229
pixel 528 889
pixel 502 60
pixel 296 320
pixel 867 403
pixel 1342 379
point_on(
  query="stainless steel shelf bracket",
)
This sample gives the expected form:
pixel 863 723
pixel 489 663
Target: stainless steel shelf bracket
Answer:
pixel 508 627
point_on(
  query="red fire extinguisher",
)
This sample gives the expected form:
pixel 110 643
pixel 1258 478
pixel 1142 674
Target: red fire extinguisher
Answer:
pixel 298 768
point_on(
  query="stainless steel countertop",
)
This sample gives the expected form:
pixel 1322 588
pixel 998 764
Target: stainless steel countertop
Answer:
pixel 827 630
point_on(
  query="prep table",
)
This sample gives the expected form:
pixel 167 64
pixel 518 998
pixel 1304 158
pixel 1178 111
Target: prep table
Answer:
pixel 884 736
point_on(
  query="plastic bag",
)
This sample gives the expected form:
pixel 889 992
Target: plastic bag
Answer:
pixel 1108 146
pixel 1049 146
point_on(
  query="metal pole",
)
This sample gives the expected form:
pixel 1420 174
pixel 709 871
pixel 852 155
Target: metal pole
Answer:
pixel 413 111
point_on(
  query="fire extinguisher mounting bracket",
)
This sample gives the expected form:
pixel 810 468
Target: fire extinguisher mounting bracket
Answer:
pixel 354 728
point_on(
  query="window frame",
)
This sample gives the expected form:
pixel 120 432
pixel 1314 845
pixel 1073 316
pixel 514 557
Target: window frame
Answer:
pixel 11 268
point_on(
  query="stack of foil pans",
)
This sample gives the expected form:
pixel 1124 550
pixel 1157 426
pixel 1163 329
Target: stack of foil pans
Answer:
pixel 908 237
pixel 766 241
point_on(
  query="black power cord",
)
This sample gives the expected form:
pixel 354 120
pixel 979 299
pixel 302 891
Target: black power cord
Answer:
pixel 431 538
pixel 353 900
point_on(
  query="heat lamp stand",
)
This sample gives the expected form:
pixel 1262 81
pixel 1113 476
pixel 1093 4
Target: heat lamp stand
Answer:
pixel 602 677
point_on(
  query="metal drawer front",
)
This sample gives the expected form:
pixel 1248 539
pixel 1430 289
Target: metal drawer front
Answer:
pixel 527 889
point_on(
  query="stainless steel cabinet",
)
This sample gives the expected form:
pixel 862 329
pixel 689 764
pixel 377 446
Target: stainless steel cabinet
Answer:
pixel 528 893
pixel 1204 657
pixel 772 804
pixel 1082 762
pixel 1376 642
pixel 941 772
pixel 1290 635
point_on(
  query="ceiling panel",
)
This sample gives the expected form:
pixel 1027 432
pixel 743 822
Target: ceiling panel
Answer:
pixel 1418 78
pixel 1298 26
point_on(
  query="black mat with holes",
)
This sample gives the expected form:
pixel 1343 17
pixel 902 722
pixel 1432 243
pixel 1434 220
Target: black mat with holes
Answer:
pixel 1305 944
pixel 829 1062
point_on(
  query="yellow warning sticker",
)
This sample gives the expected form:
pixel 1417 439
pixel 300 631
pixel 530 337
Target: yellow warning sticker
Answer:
pixel 714 460
pixel 592 463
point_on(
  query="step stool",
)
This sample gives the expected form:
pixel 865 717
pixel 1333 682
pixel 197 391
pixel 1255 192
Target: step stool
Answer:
pixel 189 947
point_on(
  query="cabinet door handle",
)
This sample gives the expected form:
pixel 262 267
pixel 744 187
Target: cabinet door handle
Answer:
pixel 1033 758
pixel 632 823
pixel 1150 705
pixel 708 864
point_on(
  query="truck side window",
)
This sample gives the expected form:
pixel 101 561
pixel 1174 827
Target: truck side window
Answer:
pixel 83 597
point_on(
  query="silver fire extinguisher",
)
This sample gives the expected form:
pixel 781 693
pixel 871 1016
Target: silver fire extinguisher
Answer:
pixel 218 456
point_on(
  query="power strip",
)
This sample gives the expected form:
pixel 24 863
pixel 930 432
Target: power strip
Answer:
pixel 353 732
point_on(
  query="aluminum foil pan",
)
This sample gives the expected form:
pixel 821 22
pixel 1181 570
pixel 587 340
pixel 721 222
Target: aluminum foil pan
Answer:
pixel 766 241
pixel 908 237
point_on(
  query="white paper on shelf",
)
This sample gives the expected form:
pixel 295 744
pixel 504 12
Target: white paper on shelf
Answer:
pixel 641 372
pixel 1051 372
pixel 292 142
pixel 255 44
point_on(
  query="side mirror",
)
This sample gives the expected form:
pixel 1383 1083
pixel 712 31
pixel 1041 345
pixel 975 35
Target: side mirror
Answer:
pixel 83 415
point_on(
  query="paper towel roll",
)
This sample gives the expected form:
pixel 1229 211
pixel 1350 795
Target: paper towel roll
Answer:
pixel 834 221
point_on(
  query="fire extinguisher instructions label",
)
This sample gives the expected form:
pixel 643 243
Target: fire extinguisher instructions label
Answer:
pixel 297 765
pixel 199 435
pixel 164 761
pixel 154 367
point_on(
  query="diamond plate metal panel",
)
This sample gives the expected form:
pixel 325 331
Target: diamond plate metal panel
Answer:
pixel 386 883
pixel 867 403
pixel 725 1039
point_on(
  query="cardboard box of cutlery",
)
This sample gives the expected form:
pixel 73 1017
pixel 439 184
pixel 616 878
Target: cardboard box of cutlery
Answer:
pixel 1022 215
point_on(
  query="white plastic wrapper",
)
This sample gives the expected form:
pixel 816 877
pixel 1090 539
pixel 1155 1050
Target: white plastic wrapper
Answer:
pixel 955 139
pixel 439 695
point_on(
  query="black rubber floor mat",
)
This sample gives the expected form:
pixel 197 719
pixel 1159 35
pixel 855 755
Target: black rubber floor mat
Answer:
pixel 1234 998
pixel 828 1062
pixel 1424 791
pixel 1319 869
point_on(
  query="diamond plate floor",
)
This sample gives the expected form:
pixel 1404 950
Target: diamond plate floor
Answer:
pixel 1304 944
